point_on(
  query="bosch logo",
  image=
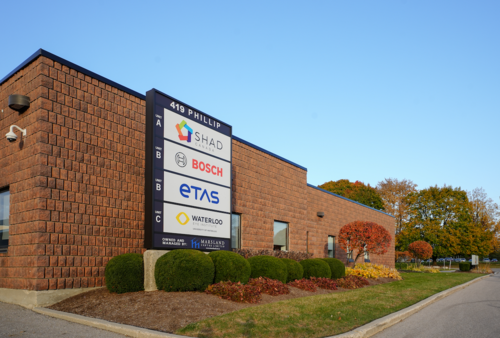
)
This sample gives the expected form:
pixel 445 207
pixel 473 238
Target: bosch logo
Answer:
pixel 206 167
pixel 181 159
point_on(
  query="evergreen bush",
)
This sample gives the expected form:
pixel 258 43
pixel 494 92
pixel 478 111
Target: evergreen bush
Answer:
pixel 184 270
pixel 336 267
pixel 229 266
pixel 315 267
pixel 267 266
pixel 125 273
pixel 464 266
pixel 295 270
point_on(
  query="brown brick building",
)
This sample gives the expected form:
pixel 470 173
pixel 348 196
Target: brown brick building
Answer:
pixel 75 184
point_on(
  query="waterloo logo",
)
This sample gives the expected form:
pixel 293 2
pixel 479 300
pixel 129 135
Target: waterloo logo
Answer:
pixel 182 137
pixel 179 217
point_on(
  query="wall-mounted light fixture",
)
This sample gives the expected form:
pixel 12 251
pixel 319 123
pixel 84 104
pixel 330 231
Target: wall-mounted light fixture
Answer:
pixel 321 214
pixel 19 102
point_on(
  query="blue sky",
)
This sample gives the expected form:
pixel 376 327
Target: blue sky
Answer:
pixel 361 90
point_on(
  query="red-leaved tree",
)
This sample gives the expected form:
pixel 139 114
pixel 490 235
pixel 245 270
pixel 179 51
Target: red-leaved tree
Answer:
pixel 362 236
pixel 420 250
pixel 403 255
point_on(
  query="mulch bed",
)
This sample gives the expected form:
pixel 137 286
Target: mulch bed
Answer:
pixel 167 311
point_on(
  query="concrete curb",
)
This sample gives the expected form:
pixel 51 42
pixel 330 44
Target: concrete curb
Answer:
pixel 127 330
pixel 383 323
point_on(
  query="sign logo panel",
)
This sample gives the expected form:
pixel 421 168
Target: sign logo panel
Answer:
pixel 191 192
pixel 195 136
pixel 192 163
pixel 179 219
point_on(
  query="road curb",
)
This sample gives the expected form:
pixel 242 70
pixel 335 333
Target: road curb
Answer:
pixel 127 330
pixel 383 323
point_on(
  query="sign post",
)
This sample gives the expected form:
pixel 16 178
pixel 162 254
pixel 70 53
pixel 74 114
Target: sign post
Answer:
pixel 188 177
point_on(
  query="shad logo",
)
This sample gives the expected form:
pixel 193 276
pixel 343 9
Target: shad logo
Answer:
pixel 182 137
pixel 179 218
pixel 181 159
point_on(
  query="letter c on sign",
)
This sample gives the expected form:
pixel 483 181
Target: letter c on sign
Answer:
pixel 158 218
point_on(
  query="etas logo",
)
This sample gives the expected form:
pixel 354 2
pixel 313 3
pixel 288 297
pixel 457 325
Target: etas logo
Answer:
pixel 180 217
pixel 199 194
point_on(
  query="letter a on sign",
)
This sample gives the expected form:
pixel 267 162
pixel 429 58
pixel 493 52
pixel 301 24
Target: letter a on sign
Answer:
pixel 158 123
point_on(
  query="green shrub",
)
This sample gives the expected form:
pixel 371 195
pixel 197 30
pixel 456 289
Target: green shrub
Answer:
pixel 267 266
pixel 125 273
pixel 315 267
pixel 464 266
pixel 184 270
pixel 229 266
pixel 295 270
pixel 336 267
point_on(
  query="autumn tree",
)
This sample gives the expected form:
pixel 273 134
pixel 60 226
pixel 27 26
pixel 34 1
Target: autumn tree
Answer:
pixel 402 255
pixel 361 236
pixel 420 250
pixel 357 191
pixel 484 211
pixel 393 193
pixel 442 217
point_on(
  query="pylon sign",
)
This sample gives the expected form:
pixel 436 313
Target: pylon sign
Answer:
pixel 188 177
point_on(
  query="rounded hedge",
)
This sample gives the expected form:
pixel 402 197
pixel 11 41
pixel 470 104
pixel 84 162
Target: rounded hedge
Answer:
pixel 184 270
pixel 229 266
pixel 125 273
pixel 295 270
pixel 464 266
pixel 315 267
pixel 268 266
pixel 336 267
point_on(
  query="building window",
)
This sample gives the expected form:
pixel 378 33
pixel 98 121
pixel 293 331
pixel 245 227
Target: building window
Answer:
pixel 4 219
pixel 280 236
pixel 235 231
pixel 331 246
pixel 367 255
pixel 349 252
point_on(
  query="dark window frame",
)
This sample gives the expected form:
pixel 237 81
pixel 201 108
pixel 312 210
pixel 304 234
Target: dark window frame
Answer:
pixel 333 248
pixel 239 230
pixel 287 236
pixel 4 246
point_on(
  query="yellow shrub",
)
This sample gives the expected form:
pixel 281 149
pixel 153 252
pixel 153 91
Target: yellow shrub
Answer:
pixel 373 271
pixel 424 269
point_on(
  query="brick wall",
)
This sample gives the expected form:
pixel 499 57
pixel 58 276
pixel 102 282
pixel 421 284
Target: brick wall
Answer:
pixel 266 189
pixel 77 182
pixel 339 212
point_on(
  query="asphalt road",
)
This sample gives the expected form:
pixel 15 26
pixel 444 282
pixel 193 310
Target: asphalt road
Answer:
pixel 16 321
pixel 470 312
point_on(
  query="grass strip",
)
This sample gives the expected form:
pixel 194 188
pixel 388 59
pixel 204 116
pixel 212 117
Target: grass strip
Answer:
pixel 325 315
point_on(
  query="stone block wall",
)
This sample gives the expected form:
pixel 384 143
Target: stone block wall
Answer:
pixel 77 182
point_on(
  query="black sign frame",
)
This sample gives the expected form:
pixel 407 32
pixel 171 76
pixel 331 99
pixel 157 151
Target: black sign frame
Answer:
pixel 155 97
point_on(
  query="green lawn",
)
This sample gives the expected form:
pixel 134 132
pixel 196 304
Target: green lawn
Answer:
pixel 325 315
